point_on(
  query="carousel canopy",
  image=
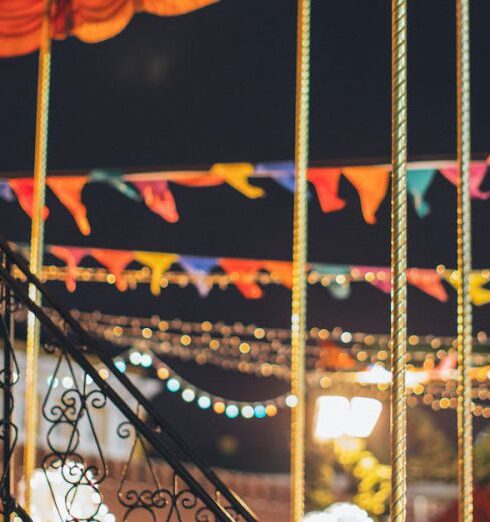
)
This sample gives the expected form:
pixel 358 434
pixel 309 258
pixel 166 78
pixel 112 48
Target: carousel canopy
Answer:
pixel 89 20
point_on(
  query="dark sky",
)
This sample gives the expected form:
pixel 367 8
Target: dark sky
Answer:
pixel 218 85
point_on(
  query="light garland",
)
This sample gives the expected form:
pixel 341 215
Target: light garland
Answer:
pixel 152 337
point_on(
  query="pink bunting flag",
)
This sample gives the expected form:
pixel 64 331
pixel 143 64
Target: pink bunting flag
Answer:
pixel 115 261
pixel 378 276
pixel 158 198
pixel 24 190
pixel 242 273
pixel 428 281
pixel 326 183
pixel 478 172
pixel 72 257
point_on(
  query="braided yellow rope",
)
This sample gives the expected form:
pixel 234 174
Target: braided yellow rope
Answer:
pixel 399 260
pixel 36 250
pixel 300 246
pixel 465 437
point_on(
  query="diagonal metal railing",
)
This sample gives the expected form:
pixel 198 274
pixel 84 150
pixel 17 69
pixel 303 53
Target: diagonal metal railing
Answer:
pixel 195 488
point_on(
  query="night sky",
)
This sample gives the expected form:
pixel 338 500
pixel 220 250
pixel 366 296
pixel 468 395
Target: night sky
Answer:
pixel 218 85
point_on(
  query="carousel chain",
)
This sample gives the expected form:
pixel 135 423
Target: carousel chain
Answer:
pixel 465 436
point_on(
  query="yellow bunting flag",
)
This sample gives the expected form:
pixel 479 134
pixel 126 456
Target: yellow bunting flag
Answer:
pixel 236 175
pixel 478 293
pixel 159 263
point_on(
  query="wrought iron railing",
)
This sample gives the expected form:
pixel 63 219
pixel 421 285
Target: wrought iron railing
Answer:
pixel 193 492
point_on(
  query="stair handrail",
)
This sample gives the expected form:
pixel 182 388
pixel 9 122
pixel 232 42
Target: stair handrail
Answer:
pixel 236 503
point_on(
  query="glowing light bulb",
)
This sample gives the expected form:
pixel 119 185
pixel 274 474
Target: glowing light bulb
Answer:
pixel 204 402
pixel 173 385
pixel 188 395
pixel 232 411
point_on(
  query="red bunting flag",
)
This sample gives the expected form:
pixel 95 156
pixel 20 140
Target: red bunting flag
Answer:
pixel 159 198
pixel 243 272
pixel 115 261
pixel 428 281
pixel 326 183
pixel 72 257
pixel 24 190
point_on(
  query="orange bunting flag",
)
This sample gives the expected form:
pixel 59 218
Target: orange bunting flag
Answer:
pixel 243 272
pixel 89 20
pixel 197 179
pixel 24 190
pixel 159 263
pixel 236 175
pixel 158 198
pixel 281 270
pixel 478 293
pixel 326 183
pixel 72 257
pixel 331 357
pixel 115 261
pixel 428 281
pixel 372 184
pixel 69 191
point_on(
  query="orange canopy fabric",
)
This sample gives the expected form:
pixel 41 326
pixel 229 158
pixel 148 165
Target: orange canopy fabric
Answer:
pixel 89 20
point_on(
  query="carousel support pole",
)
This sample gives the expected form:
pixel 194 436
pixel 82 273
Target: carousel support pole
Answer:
pixel 36 250
pixel 300 248
pixel 465 335
pixel 399 261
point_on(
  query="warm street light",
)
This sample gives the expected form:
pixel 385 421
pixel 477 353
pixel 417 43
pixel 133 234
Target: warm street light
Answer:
pixel 336 416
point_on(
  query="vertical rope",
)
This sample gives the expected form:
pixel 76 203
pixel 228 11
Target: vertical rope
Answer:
pixel 465 436
pixel 399 261
pixel 300 247
pixel 36 249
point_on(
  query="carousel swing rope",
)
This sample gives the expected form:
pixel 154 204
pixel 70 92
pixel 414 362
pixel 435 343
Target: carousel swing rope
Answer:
pixel 37 248
pixel 464 409
pixel 300 249
pixel 399 262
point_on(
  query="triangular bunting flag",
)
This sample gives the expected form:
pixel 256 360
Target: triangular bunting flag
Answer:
pixel 428 281
pixel 114 178
pixel 478 293
pixel 281 270
pixel 282 172
pixel 326 183
pixel 159 263
pixel 115 261
pixel 418 183
pixel 159 198
pixel 198 268
pixel 24 190
pixel 69 191
pixel 477 174
pixel 243 273
pixel 72 257
pixel 5 191
pixel 197 179
pixel 381 279
pixel 372 184
pixel 236 175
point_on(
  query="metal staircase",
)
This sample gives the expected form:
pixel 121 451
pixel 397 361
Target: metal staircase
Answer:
pixel 193 492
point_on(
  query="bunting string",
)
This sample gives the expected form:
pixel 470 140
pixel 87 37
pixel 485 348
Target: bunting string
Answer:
pixel 159 269
pixel 154 189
